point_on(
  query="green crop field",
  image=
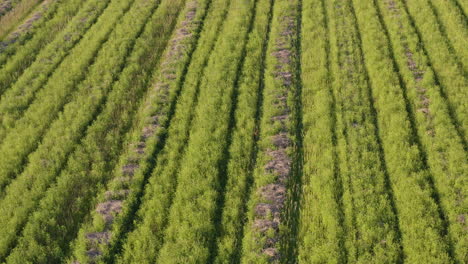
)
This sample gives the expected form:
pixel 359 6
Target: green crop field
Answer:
pixel 234 131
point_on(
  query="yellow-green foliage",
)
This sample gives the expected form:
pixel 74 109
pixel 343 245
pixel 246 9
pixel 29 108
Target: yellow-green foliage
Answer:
pixel 242 148
pixel 234 131
pixel 30 60
pixel 370 223
pixel 144 243
pixel 191 229
pixel 439 141
pixel 278 99
pixel 45 163
pixel 157 101
pixel 321 231
pixel 66 202
pixel 446 64
pixel 31 123
pixel 21 9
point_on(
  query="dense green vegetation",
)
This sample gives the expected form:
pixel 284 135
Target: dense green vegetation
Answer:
pixel 321 236
pixel 370 221
pixel 193 213
pixel 442 146
pixel 15 11
pixel 31 120
pixel 38 49
pixel 412 194
pixel 273 169
pixel 148 131
pixel 142 246
pixel 233 131
pixel 243 141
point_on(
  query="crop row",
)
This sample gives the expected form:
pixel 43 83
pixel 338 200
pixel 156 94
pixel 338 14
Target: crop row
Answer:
pixel 265 231
pixel 428 197
pixel 114 214
pixel 235 131
pixel 454 25
pixel 23 52
pixel 24 135
pixel 192 220
pixel 441 145
pixel 24 32
pixel 71 199
pixel 449 74
pixel 19 11
pixel 370 221
pixel 321 230
pixel 50 157
pixel 242 150
pixel 418 216
pixel 145 241
pixel 50 63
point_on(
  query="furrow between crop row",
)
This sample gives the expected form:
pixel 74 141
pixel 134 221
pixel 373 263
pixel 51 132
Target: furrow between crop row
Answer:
pixel 50 64
pixel 190 233
pixel 463 6
pixel 266 237
pixel 292 205
pixel 60 89
pixel 101 238
pixel 145 241
pixel 21 11
pixel 321 236
pixel 72 123
pixel 449 75
pixel 224 162
pixel 409 176
pixel 370 221
pixel 56 30
pixel 7 5
pixel 13 42
pixel 454 26
pixel 242 150
pixel 440 144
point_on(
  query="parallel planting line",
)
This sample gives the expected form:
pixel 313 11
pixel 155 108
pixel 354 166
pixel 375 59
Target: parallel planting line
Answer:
pixel 192 220
pixel 23 32
pixel 28 131
pixel 292 206
pixel 321 236
pixel 56 56
pixel 440 143
pixel 38 44
pixel 418 216
pixel 242 150
pixel 20 12
pixel 448 73
pixel 409 178
pixel 140 56
pixel 263 240
pixel 67 202
pixel 366 198
pixel 144 243
pixel 223 164
pixel 26 30
pixel 101 238
pixel 50 157
pixel 454 23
